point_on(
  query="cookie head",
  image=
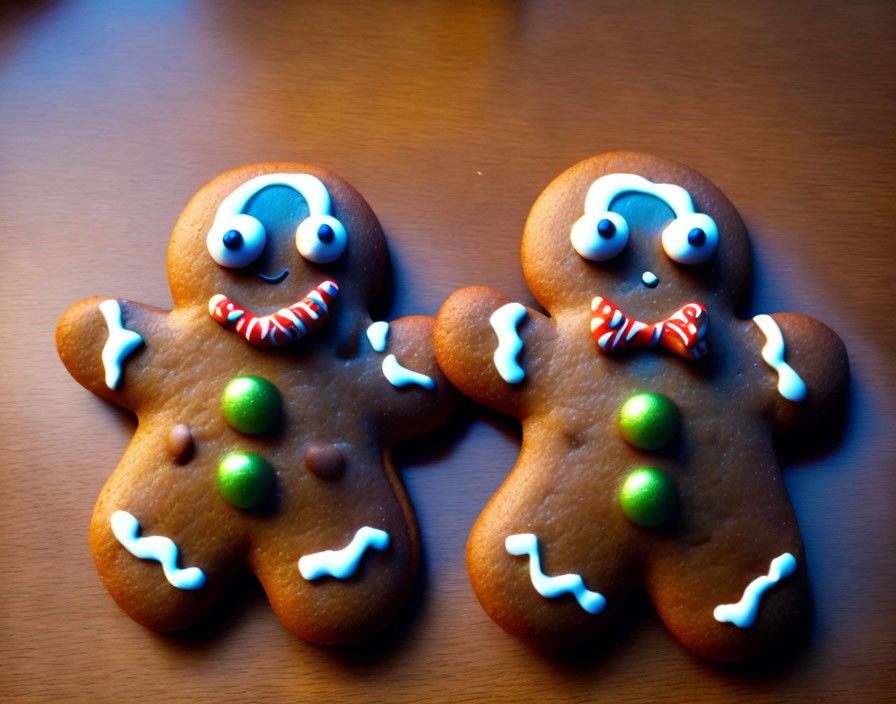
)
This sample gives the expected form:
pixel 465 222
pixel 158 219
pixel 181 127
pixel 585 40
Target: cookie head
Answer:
pixel 276 237
pixel 645 231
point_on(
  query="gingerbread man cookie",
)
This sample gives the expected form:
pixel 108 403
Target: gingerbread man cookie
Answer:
pixel 267 402
pixel 648 411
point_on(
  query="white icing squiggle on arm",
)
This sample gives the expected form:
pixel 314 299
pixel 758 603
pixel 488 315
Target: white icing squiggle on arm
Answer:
pixel 790 385
pixel 156 547
pixel 378 334
pixel 743 613
pixel 399 376
pixel 343 563
pixel 120 343
pixel 551 587
pixel 504 322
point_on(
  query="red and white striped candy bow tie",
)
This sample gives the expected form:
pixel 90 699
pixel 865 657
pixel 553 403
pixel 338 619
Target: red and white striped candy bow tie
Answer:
pixel 276 329
pixel 683 332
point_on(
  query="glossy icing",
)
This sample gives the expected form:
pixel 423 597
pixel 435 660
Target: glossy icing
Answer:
pixel 120 343
pixel 378 335
pixel 320 237
pixel 157 547
pixel 743 613
pixel 504 322
pixel 552 587
pixel 343 563
pixel 591 243
pixel 400 376
pixel 790 385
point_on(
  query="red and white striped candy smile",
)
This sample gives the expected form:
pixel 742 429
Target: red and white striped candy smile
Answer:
pixel 282 327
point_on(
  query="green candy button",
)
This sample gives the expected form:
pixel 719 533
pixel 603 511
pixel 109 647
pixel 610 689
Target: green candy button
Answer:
pixel 244 479
pixel 251 404
pixel 648 421
pixel 648 496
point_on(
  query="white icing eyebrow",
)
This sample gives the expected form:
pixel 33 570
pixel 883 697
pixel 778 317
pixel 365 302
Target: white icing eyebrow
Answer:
pixel 311 188
pixel 607 188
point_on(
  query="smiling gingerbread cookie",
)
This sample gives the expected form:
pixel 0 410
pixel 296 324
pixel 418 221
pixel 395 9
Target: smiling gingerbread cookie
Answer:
pixel 267 402
pixel 648 412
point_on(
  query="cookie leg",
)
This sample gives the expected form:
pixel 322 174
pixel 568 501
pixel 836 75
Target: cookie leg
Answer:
pixel 550 588
pixel 732 599
pixel 337 585
pixel 164 572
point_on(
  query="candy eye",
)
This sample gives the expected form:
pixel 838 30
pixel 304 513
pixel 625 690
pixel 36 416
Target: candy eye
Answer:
pixel 321 239
pixel 691 239
pixel 236 241
pixel 600 238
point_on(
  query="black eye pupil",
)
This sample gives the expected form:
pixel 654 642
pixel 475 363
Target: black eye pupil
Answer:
pixel 325 234
pixel 606 228
pixel 233 239
pixel 696 237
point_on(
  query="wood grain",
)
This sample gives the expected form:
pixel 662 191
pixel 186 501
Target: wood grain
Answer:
pixel 450 118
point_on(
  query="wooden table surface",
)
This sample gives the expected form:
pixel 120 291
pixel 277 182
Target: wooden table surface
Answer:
pixel 450 118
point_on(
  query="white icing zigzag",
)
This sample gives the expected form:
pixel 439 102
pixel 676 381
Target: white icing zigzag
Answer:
pixel 551 587
pixel 119 345
pixel 790 385
pixel 156 547
pixel 504 322
pixel 743 613
pixel 343 563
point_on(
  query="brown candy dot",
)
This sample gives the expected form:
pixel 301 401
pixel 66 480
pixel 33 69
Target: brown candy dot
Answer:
pixel 324 460
pixel 180 443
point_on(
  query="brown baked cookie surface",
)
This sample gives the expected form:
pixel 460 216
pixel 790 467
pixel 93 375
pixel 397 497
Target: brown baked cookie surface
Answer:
pixel 648 412
pixel 267 404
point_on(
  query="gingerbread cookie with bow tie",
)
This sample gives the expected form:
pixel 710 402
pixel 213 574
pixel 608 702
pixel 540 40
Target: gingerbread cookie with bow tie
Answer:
pixel 648 411
pixel 267 402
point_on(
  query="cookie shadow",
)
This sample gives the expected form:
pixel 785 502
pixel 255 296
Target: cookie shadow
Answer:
pixel 242 596
pixel 381 304
pixel 822 438
pixel 389 641
pixel 414 454
pixel 611 643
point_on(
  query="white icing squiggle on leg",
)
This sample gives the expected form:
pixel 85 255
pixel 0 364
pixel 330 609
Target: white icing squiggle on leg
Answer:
pixel 551 587
pixel 504 322
pixel 399 376
pixel 743 613
pixel 156 547
pixel 119 345
pixel 343 563
pixel 790 385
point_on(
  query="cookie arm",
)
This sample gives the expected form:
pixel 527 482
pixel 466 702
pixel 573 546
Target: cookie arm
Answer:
pixel 416 396
pixel 106 344
pixel 490 347
pixel 808 368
